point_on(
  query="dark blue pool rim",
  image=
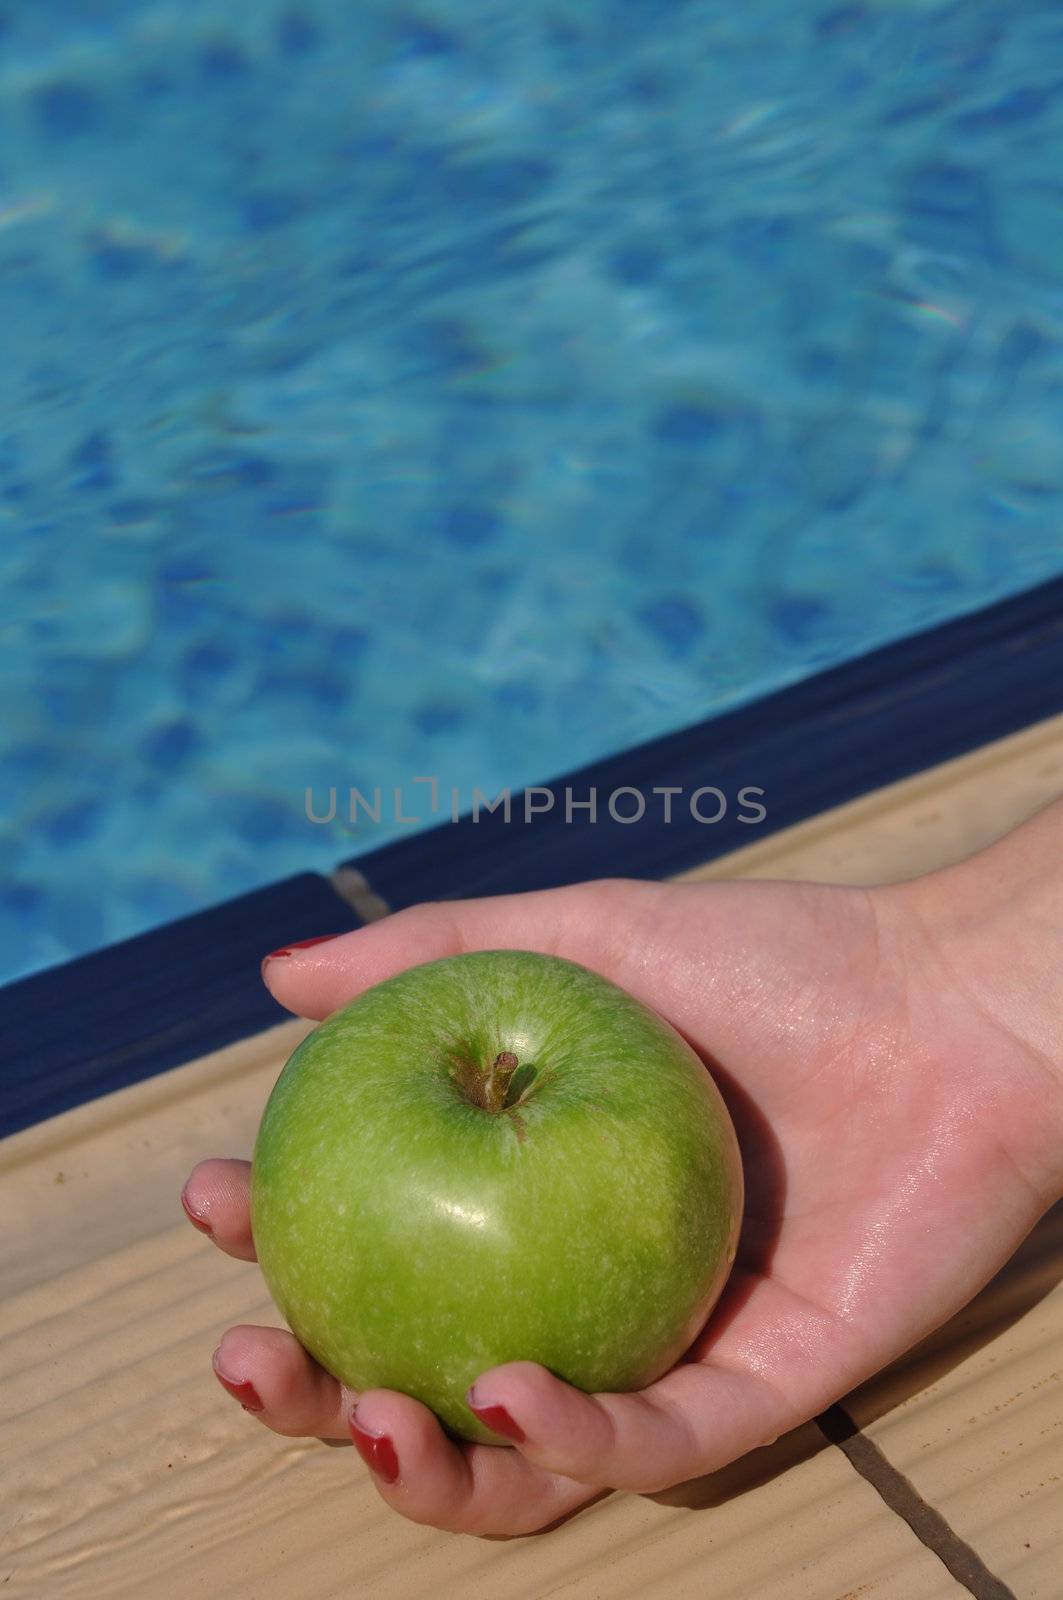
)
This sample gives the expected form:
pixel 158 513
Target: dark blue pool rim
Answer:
pixel 127 1012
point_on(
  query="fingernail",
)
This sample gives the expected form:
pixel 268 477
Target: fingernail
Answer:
pixel 243 1391
pixel 196 1218
pixel 497 1418
pixel 376 1450
pixel 299 944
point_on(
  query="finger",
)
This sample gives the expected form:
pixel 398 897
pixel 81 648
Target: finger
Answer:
pixel 590 923
pixel 461 1488
pixel 692 1421
pixel 270 1374
pixel 217 1200
pixel 480 1489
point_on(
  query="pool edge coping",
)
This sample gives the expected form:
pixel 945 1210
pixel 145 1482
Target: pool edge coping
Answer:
pixel 871 721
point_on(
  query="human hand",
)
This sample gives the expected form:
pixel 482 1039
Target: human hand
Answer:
pixel 900 1135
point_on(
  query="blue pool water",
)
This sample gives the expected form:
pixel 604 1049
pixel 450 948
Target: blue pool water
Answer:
pixel 472 389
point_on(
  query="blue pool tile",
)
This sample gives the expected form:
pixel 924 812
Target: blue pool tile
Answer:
pixel 298 33
pixel 635 263
pixel 977 48
pixel 169 746
pixel 282 635
pixel 497 181
pixel 836 462
pixel 132 511
pixel 840 21
pixel 496 581
pixel 931 578
pixel 205 664
pixel 76 918
pixel 66 109
pixel 687 423
pixel 92 461
pixel 950 206
pixel 190 586
pixel 819 363
pixel 346 644
pixel 265 210
pixel 63 701
pixel 421 36
pixel 221 62
pixel 442 347
pixel 519 696
pixel 20 899
pixel 228 470
pixel 635 16
pixel 1021 346
pixel 27 761
pixel 675 620
pixel 437 719
pixel 73 823
pixel 651 85
pixel 1016 107
pixel 117 260
pixel 798 618
pixel 181 570
pixel 313 688
pixel 470 525
pixel 154 83
pixel 1032 224
pixel 910 110
pixel 762 241
pixel 298 489
pixel 263 821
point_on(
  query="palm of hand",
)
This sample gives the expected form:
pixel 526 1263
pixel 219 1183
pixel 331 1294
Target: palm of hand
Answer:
pixel 886 1142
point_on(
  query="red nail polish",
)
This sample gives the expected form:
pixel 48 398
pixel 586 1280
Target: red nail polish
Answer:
pixel 376 1450
pixel 497 1418
pixel 246 1393
pixel 195 1218
pixel 299 944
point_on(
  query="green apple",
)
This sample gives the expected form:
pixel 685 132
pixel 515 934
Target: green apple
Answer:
pixel 495 1157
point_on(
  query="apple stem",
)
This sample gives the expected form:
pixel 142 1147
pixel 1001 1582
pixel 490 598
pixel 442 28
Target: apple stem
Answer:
pixel 485 1087
pixel 497 1080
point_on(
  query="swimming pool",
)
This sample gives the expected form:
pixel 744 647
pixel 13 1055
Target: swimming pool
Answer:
pixel 393 391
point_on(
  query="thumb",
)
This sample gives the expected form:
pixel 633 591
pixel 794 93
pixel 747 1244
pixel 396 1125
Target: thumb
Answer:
pixel 592 923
